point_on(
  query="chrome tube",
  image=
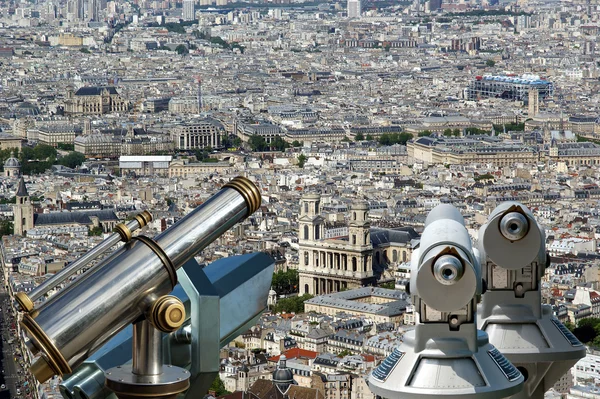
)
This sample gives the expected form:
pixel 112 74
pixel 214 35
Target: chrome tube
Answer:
pixel 147 349
pixel 81 319
pixel 123 232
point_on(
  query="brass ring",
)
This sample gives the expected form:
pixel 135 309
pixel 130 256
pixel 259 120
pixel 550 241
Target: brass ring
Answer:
pixel 248 190
pixel 147 216
pixel 55 359
pixel 123 231
pixel 141 221
pixel 164 312
pixel 24 301
pixel 153 245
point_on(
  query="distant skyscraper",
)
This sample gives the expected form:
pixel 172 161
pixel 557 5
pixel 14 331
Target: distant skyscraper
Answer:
pixel 188 10
pixel 93 8
pixel 354 8
pixel 435 5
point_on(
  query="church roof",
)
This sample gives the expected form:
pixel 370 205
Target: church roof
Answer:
pixel 82 218
pixel 22 190
pixel 400 235
pixel 95 90
pixel 265 389
pixel 12 162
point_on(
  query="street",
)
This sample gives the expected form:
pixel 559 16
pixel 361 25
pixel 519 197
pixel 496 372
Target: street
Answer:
pixel 10 370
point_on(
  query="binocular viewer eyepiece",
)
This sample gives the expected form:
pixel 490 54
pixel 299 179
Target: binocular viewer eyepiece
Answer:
pixel 474 342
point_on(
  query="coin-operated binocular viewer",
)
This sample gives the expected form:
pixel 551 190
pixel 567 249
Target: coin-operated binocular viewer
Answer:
pixel 514 259
pixel 133 287
pixel 445 355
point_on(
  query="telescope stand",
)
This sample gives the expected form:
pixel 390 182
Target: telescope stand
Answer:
pixel 146 377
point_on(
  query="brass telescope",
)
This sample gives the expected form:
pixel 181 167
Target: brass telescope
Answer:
pixel 130 285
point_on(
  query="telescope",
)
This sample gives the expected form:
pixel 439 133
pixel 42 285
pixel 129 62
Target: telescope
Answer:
pixel 445 355
pixel 212 298
pixel 514 259
pixel 132 287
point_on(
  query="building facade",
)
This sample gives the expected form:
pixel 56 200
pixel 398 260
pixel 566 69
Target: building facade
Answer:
pixel 95 101
pixel 509 87
pixel 203 134
pixel 330 265
pixel 363 256
pixel 55 134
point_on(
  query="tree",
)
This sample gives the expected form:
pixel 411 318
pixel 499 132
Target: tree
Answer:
pixel 370 138
pixel 279 144
pixel 425 133
pixel 490 63
pixel 285 282
pixel 456 132
pixel 394 138
pixel 66 147
pixel 257 143
pixel 346 140
pixel 389 285
pixel 569 325
pixel 359 137
pixel 291 305
pixel 225 141
pixel 44 152
pixel 182 49
pixel 95 231
pixel 301 160
pixel 296 143
pixel 344 353
pixel 6 228
pixel 72 160
pixel 448 132
pixel 218 387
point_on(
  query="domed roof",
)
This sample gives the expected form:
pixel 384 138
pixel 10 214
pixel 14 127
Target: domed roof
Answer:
pixel 12 162
pixel 283 377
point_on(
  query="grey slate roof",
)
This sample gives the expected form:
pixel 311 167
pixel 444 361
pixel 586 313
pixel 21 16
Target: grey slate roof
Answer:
pixel 95 91
pixel 83 218
pixel 401 235
pixel 347 300
pixel 22 190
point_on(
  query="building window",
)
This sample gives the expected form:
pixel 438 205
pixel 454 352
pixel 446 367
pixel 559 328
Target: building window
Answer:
pixel 353 239
pixel 306 232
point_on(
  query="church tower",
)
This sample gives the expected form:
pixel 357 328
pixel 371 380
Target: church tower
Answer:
pixel 310 221
pixel 243 383
pixel 23 210
pixel 359 226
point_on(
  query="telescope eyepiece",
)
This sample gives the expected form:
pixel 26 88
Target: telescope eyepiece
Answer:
pixel 514 226
pixel 448 269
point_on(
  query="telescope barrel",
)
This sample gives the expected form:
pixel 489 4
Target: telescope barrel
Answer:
pixel 122 288
pixel 123 233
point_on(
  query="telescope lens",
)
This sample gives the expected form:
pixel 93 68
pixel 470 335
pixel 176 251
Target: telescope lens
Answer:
pixel 514 226
pixel 448 269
